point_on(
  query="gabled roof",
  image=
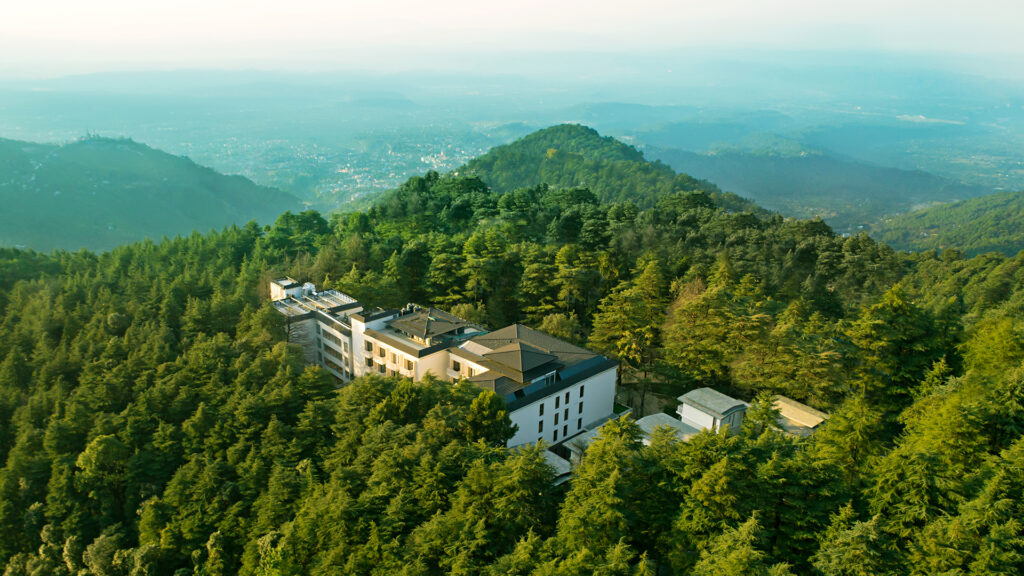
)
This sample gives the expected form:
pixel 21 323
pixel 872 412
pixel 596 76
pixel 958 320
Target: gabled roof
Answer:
pixel 564 352
pixel 712 402
pixel 520 356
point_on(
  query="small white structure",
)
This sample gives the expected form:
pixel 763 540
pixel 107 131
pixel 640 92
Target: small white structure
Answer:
pixel 708 408
pixel 797 419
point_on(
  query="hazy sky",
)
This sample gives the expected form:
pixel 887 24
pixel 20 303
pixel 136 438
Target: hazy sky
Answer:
pixel 71 36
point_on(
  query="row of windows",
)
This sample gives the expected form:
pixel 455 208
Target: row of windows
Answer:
pixel 333 339
pixel 558 403
pixel 332 352
pixel 565 430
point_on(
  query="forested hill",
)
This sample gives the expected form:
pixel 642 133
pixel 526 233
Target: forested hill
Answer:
pixel 153 421
pixel 100 193
pixel 991 223
pixel 570 155
pixel 847 194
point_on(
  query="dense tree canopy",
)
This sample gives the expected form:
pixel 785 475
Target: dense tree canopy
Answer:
pixel 153 421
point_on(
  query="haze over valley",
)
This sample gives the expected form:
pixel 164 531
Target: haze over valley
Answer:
pixel 538 288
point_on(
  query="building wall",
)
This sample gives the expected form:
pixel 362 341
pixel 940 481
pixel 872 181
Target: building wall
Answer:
pixel 436 364
pixel 303 333
pixel 733 421
pixel 327 344
pixel 696 418
pixel 598 402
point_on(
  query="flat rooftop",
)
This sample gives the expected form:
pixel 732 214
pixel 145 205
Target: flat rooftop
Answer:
pixel 797 418
pixel 682 430
pixel 327 301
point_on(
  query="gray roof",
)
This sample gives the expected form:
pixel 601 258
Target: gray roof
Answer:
pixel 429 322
pixel 649 423
pixel 564 353
pixel 520 356
pixel 712 402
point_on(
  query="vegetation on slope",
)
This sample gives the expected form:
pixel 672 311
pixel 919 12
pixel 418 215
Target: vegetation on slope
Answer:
pixel 100 193
pixel 570 156
pixel 153 422
pixel 992 223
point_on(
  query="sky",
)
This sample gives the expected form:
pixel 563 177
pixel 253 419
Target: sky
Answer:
pixel 55 37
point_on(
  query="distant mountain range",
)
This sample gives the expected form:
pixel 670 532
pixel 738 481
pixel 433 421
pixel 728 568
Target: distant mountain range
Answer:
pixel 99 193
pixel 847 194
pixel 991 223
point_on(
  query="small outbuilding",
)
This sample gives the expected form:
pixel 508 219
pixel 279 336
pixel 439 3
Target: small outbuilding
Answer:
pixel 708 408
pixel 796 418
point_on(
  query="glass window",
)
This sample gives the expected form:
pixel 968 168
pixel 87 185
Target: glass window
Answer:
pixel 369 361
pixel 408 364
pixel 540 426
pixel 581 390
pixel 565 431
pixel 456 365
pixel 369 346
pixel 566 414
pixel 581 407
pixel 556 419
pixel 541 408
pixel 566 397
pixel 556 402
pixel 579 423
pixel 554 437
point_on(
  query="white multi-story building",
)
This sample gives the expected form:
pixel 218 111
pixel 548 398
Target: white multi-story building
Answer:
pixel 554 390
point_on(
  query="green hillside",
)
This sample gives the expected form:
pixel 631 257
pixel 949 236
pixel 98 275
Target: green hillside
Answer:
pixel 100 193
pixel 992 223
pixel 846 193
pixel 154 419
pixel 570 155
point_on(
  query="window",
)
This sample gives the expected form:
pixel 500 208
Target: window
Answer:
pixel 369 362
pixel 581 407
pixel 382 352
pixel 556 419
pixel 456 366
pixel 566 397
pixel 540 426
pixel 394 358
pixel 554 437
pixel 541 408
pixel 344 346
pixel 581 390
pixel 579 423
pixel 470 372
pixel 369 346
pixel 381 368
pixel 565 430
pixel 556 402
pixel 566 414
pixel 408 364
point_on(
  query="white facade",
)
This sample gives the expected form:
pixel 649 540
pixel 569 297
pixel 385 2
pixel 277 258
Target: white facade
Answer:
pixel 550 397
pixel 565 413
